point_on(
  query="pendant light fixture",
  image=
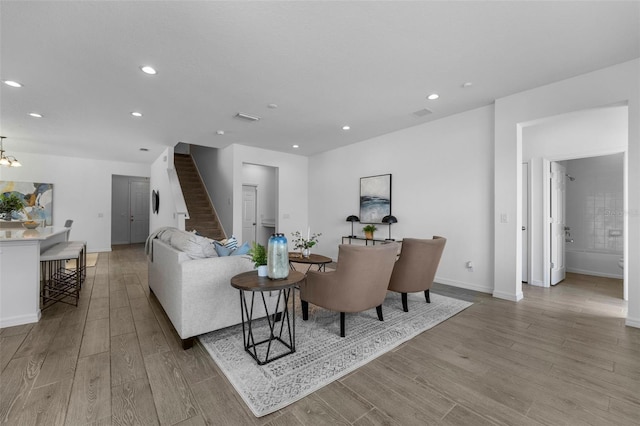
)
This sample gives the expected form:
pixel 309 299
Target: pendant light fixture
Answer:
pixel 7 160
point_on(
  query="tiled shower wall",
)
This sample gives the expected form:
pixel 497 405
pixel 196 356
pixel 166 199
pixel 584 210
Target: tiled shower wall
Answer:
pixel 594 204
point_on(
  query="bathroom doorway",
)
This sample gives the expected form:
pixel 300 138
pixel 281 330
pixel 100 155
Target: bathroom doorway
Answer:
pixel 596 132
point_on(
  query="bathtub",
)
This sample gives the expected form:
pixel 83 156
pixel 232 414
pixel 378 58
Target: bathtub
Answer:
pixel 593 262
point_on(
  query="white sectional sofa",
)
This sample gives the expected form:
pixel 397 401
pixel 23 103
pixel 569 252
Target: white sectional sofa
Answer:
pixel 194 290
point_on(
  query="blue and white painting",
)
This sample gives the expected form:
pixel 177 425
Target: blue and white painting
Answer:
pixel 375 198
pixel 37 199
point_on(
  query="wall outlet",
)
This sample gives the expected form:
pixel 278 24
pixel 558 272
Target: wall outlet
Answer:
pixel 469 266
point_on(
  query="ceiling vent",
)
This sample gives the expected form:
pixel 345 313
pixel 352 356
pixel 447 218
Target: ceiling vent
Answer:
pixel 247 116
pixel 422 112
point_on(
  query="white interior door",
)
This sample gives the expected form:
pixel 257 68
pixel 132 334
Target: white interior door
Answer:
pixel 557 222
pixel 139 204
pixel 249 213
pixel 525 222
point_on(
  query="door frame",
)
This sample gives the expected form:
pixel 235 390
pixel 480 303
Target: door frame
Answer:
pixel 526 187
pixel 129 178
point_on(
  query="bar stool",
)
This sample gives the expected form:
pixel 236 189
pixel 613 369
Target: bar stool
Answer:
pixel 82 262
pixel 59 283
pixel 67 224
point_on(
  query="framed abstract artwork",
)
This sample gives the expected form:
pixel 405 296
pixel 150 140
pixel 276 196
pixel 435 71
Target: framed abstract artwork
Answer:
pixel 375 198
pixel 36 197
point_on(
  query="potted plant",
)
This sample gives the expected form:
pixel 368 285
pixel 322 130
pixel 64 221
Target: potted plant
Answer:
pixel 9 204
pixel 304 244
pixel 259 258
pixel 369 230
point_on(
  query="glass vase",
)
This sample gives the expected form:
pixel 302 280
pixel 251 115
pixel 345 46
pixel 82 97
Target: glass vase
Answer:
pixel 278 257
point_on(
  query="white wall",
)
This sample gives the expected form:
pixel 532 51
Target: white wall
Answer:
pixel 595 205
pixel 441 185
pixel 216 169
pixel 608 86
pixel 589 132
pixel 292 190
pixel 159 181
pixel 81 191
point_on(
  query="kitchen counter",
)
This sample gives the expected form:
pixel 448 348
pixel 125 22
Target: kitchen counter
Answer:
pixel 20 272
pixel 21 234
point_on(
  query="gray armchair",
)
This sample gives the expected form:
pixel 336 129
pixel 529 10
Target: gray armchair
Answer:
pixel 359 282
pixel 416 268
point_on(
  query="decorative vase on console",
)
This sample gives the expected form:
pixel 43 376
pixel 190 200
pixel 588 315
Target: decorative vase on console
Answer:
pixel 306 252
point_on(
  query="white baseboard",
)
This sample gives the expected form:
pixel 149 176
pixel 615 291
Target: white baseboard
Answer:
pixel 99 250
pixel 594 273
pixel 632 322
pixel 536 283
pixel 468 286
pixel 509 296
pixel 20 320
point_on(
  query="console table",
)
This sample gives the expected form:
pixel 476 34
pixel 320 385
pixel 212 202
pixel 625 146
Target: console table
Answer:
pixel 367 240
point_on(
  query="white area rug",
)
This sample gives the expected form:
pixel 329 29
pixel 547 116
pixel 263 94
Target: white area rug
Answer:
pixel 322 356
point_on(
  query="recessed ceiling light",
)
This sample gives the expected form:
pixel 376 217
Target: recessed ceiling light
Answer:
pixel 346 127
pixel 35 115
pixel 144 149
pixel 148 70
pixel 296 146
pixel 220 132
pixel 467 84
pixel 272 106
pixel 433 96
pixel 136 114
pixel 12 83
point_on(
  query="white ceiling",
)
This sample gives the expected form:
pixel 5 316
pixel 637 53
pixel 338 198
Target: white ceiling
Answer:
pixel 325 64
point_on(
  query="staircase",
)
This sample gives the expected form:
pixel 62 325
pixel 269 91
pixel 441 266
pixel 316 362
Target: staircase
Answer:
pixel 202 216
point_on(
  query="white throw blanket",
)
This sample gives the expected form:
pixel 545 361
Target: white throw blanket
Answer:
pixel 148 246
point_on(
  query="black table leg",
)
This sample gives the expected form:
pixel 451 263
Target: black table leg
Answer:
pixel 250 344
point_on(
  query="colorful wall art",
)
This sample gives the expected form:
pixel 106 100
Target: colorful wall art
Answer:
pixel 36 197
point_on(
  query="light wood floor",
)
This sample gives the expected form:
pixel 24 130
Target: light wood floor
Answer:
pixel 560 356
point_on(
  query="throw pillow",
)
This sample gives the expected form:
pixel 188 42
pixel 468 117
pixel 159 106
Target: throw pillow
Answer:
pixel 231 243
pixel 243 249
pixel 221 250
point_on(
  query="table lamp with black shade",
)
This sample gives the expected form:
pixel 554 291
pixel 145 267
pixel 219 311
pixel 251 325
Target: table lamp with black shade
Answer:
pixel 389 220
pixel 352 219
